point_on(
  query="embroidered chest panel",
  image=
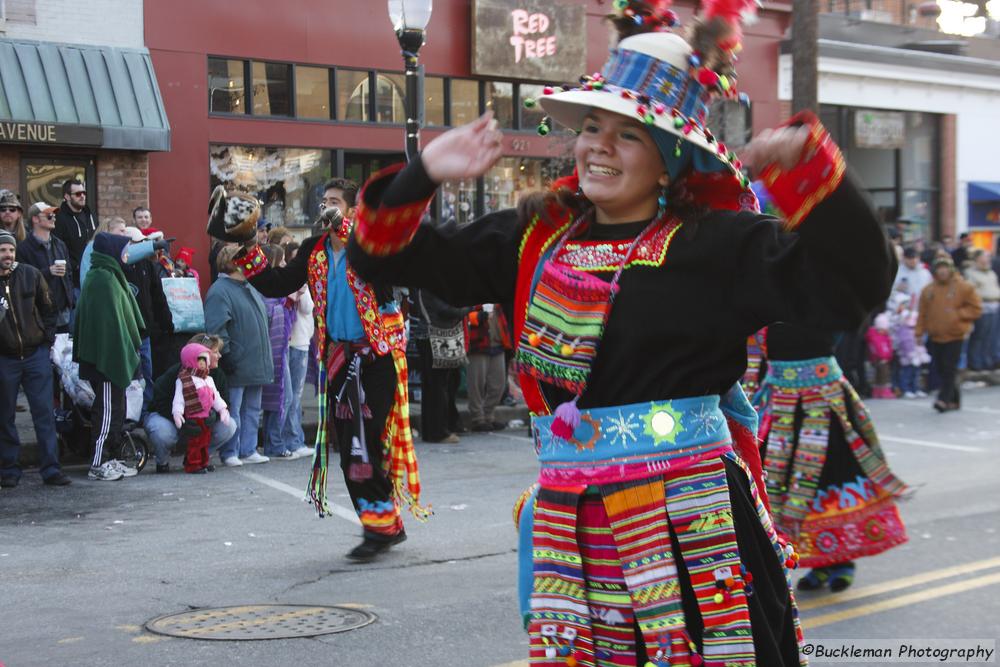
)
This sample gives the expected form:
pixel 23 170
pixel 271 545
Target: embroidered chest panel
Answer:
pixel 603 256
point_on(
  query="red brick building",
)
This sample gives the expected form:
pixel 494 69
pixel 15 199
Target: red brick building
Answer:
pixel 275 102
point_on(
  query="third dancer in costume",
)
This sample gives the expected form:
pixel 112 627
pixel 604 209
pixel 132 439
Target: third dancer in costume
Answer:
pixel 829 484
pixel 633 290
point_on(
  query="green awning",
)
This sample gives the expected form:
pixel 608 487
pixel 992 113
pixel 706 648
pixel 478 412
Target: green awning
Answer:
pixel 67 93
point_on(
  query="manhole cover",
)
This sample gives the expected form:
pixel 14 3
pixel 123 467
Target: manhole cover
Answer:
pixel 260 621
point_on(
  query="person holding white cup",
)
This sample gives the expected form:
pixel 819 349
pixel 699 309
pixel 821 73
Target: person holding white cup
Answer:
pixel 47 253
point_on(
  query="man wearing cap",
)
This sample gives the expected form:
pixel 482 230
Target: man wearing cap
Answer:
pixel 49 255
pixel 948 308
pixel 27 327
pixel 75 224
pixel 10 214
pixel 912 271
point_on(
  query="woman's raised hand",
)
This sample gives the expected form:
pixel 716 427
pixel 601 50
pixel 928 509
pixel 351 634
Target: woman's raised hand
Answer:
pixel 784 146
pixel 464 152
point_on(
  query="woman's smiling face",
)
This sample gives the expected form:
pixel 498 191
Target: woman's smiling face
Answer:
pixel 619 166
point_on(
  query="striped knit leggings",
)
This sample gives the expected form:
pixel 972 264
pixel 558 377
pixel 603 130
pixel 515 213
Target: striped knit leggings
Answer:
pixel 107 418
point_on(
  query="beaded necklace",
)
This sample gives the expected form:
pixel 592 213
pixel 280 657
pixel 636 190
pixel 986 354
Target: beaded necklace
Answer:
pixel 567 313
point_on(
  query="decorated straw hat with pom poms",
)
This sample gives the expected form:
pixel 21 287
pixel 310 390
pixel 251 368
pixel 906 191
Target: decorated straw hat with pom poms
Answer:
pixel 662 79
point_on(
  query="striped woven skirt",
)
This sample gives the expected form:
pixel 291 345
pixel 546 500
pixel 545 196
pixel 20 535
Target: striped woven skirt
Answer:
pixel 830 486
pixel 677 566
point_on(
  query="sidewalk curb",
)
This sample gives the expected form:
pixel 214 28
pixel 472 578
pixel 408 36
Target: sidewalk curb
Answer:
pixel 29 448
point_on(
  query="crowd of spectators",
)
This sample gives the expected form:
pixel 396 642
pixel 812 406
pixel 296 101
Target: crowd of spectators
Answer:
pixel 943 317
pixel 234 388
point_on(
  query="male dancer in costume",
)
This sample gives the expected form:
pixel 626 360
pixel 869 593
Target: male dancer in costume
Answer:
pixel 363 375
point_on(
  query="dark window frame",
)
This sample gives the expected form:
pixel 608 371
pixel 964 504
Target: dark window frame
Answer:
pixel 229 114
pixel 248 67
pixel 330 94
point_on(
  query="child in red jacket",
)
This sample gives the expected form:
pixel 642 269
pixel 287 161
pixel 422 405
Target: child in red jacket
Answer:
pixel 195 397
pixel 880 354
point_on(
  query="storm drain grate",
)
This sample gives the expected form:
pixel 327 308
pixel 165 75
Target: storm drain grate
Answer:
pixel 260 621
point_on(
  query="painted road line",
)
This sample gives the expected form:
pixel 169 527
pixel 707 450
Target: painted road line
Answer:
pixel 335 509
pixel 928 443
pixel 965 408
pixel 898 584
pixel 901 601
pixel 886 587
pixel 515 438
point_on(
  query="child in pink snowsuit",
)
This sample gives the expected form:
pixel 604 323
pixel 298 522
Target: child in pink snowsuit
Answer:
pixel 880 355
pixel 195 396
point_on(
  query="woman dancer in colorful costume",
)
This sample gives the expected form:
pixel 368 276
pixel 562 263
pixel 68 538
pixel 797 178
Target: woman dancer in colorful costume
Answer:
pixel 633 291
pixel 829 484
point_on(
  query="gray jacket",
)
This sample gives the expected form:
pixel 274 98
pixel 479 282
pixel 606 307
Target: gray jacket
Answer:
pixel 235 312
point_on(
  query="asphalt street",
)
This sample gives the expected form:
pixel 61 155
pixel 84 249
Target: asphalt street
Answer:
pixel 83 568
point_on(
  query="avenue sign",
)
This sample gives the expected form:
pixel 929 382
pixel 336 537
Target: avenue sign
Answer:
pixel 27 132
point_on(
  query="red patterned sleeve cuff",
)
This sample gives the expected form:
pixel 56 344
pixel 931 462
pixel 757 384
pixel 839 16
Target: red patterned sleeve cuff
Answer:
pixel 797 191
pixel 252 262
pixel 381 229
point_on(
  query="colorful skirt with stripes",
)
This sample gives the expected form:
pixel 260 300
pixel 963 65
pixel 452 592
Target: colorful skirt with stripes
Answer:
pixel 646 542
pixel 831 490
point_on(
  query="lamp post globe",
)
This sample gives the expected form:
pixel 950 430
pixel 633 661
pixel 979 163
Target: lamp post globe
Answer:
pixel 409 21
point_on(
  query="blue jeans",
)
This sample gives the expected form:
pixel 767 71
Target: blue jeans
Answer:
pixel 275 442
pixel 908 378
pixel 292 431
pixel 244 407
pixel 146 364
pixel 981 342
pixel 34 375
pixel 163 434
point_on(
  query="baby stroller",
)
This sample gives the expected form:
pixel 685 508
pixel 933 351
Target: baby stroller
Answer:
pixel 76 397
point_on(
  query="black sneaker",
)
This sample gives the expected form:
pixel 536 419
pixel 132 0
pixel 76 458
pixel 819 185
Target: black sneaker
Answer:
pixel 58 479
pixel 162 468
pixel 498 426
pixel 482 427
pixel 8 482
pixel 369 549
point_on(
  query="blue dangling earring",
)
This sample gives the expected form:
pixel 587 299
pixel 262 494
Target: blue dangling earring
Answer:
pixel 661 205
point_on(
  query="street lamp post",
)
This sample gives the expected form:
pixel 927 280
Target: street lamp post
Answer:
pixel 409 20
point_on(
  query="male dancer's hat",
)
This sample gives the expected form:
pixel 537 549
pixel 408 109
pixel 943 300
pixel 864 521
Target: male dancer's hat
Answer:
pixel 232 217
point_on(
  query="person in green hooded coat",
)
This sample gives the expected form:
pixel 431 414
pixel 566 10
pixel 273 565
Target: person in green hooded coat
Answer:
pixel 106 338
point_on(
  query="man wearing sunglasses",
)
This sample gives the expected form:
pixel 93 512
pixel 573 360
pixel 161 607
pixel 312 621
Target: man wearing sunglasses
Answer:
pixel 10 214
pixel 49 255
pixel 75 224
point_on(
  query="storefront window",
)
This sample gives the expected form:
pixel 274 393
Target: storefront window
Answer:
pixel 390 100
pixel 512 177
pixel 271 89
pixel 43 179
pixel 464 101
pixel 226 92
pixel 530 118
pixel 730 123
pixel 312 92
pixel 352 95
pixel 458 201
pixel 288 181
pixel 433 100
pixel 500 98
